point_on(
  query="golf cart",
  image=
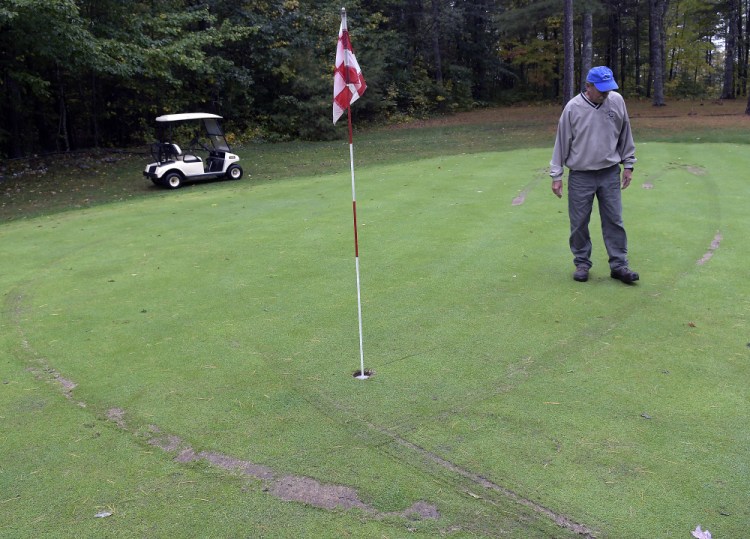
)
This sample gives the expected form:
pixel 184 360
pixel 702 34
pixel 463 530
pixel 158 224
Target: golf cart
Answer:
pixel 206 157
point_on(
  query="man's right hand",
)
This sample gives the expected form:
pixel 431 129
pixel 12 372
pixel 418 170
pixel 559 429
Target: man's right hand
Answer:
pixel 557 188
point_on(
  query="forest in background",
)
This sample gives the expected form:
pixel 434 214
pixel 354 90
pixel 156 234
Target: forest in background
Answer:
pixel 79 74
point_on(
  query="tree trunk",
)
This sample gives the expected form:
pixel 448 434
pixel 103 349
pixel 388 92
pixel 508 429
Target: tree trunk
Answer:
pixel 657 10
pixel 94 112
pixel 637 48
pixel 568 54
pixel 746 46
pixel 437 56
pixel 613 44
pixel 741 61
pixel 12 118
pixel 587 54
pixel 730 50
pixel 62 130
pixel 623 61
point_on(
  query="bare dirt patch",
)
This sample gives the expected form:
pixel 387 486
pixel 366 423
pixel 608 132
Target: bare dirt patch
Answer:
pixel 712 248
pixel 422 510
pixel 289 488
pixel 168 442
pixel 117 415
pixel 37 364
pixel 310 492
pixel 229 463
pixel 521 197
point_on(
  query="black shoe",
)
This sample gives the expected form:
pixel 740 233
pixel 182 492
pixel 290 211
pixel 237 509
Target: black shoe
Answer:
pixel 581 274
pixel 625 275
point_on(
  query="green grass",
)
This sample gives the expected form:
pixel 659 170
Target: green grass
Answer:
pixel 225 314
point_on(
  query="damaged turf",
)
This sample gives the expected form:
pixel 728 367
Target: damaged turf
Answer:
pixel 290 488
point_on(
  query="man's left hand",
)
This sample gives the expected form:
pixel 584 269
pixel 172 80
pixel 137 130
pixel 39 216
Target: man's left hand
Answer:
pixel 627 176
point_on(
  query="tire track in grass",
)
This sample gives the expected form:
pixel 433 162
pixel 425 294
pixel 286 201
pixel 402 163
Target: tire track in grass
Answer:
pixel 521 197
pixel 36 364
pixel 423 459
pixel 286 487
pixel 561 520
pixel 293 488
pixel 715 243
pixel 695 170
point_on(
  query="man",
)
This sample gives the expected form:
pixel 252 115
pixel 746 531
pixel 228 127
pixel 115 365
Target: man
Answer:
pixel 593 140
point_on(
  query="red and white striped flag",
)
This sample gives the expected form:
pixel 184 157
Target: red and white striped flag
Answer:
pixel 348 82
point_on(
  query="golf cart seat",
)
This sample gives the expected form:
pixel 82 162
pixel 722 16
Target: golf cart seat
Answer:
pixel 172 151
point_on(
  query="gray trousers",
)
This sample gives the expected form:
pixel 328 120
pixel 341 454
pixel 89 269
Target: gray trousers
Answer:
pixel 603 184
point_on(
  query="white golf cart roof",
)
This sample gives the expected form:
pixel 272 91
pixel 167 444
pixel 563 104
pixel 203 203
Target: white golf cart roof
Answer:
pixel 187 116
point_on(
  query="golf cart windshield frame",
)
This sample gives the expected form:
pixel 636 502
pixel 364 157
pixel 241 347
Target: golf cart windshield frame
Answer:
pixel 214 132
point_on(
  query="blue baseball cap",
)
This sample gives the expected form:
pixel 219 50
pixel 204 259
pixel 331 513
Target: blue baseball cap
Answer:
pixel 602 78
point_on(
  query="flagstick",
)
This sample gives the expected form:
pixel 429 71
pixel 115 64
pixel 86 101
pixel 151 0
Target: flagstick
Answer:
pixel 345 92
pixel 362 375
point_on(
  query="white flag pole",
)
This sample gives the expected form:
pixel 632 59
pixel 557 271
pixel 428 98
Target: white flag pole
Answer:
pixel 362 375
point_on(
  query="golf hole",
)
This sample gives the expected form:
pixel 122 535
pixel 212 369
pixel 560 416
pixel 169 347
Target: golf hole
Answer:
pixel 363 376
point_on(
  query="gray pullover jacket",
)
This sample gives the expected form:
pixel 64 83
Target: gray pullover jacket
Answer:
pixel 593 137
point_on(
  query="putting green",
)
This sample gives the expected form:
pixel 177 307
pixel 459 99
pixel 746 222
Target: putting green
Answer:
pixel 225 316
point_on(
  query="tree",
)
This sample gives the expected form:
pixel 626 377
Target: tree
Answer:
pixel 587 51
pixel 437 55
pixel 614 27
pixel 39 73
pixel 656 36
pixel 529 33
pixel 689 60
pixel 104 68
pixel 730 48
pixel 745 48
pixel 637 46
pixel 568 56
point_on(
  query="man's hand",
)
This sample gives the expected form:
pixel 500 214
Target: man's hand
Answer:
pixel 627 176
pixel 557 187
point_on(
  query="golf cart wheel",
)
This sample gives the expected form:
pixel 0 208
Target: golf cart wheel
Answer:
pixel 173 180
pixel 234 172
